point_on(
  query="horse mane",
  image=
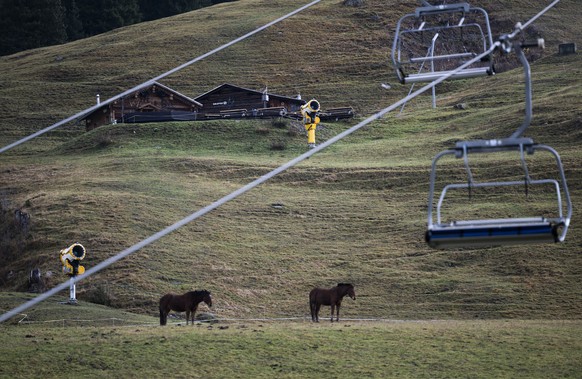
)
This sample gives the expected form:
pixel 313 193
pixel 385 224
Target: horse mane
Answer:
pixel 345 285
pixel 202 292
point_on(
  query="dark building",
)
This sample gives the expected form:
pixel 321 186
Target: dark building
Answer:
pixel 229 100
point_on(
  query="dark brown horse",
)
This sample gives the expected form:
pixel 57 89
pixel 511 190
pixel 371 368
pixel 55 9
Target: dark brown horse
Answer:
pixel 187 302
pixel 332 296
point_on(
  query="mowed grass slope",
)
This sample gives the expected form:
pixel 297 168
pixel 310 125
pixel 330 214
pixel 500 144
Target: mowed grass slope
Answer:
pixel 424 349
pixel 356 212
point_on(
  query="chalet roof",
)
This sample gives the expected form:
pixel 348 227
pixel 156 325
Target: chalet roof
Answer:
pixel 232 86
pixel 176 93
pixel 166 89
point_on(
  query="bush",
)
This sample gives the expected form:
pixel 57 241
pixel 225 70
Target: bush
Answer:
pixel 278 145
pixel 353 3
pixel 99 295
pixel 279 123
pixel 15 228
pixel 104 141
pixel 262 131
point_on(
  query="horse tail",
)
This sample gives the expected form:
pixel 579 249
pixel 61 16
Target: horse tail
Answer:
pixel 163 310
pixel 312 300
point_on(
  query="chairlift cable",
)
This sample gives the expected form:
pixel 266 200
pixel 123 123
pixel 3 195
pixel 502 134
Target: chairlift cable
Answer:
pixel 100 266
pixel 532 19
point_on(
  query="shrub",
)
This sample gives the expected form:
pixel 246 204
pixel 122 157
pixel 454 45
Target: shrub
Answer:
pixel 278 145
pixel 262 131
pixel 104 141
pixel 279 123
pixel 99 295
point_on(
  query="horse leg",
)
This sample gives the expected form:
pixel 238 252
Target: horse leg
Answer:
pixel 187 316
pixel 317 308
pixel 194 313
pixel 337 307
pixel 312 310
pixel 332 311
pixel 163 316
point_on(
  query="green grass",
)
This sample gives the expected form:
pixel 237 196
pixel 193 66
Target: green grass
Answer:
pixel 339 222
pixel 57 312
pixel 389 349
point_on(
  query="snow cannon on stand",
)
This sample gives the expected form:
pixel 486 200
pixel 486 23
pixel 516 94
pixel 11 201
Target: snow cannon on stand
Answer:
pixel 310 112
pixel 71 258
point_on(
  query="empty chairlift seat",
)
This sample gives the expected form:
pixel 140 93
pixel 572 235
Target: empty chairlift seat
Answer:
pixel 435 40
pixel 462 233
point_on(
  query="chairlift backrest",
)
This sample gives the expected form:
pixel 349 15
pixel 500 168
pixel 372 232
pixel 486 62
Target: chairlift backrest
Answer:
pixel 434 40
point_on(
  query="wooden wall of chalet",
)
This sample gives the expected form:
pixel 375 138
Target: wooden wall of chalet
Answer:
pixel 152 99
pixel 229 98
pixel 100 117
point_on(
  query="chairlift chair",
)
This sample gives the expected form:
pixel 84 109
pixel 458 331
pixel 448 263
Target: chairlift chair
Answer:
pixel 551 226
pixel 436 39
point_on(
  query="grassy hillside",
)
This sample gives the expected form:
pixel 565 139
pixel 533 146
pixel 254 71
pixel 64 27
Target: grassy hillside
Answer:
pixel 355 212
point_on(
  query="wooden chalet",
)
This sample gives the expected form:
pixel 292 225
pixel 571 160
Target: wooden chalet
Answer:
pixel 155 103
pixel 228 101
pixel 158 103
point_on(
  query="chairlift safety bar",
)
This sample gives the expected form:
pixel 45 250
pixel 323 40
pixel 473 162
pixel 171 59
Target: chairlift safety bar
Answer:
pixel 463 74
pixel 441 57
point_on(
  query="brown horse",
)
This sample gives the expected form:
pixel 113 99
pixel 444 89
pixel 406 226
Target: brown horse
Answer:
pixel 187 302
pixel 332 296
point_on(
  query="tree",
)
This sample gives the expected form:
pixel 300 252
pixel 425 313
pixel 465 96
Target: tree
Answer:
pixel 100 16
pixel 73 23
pixel 31 24
pixel 154 9
pixel 28 24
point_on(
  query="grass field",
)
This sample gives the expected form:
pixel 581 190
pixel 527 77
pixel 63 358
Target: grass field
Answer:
pixel 98 342
pixel 284 349
pixel 355 212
